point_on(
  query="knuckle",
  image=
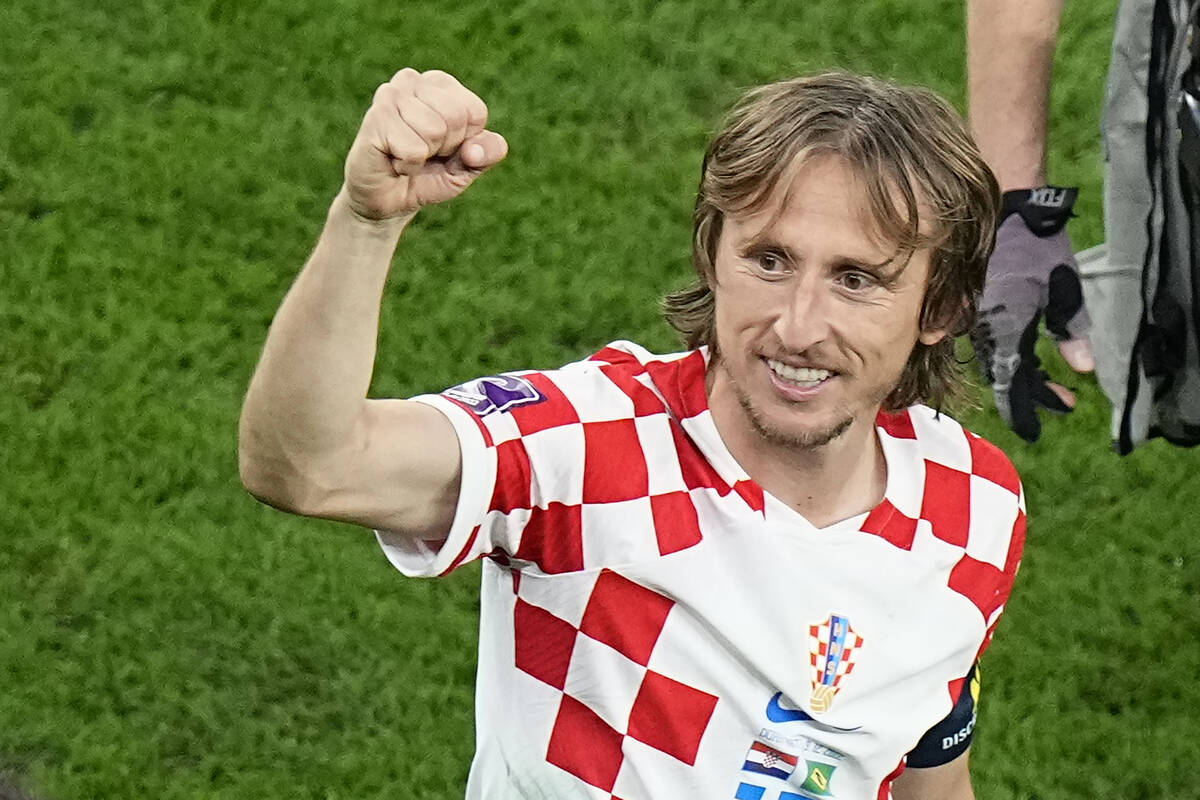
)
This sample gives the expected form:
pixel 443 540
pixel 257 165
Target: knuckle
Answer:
pixel 383 92
pixel 449 108
pixel 405 74
pixel 440 77
pixel 478 111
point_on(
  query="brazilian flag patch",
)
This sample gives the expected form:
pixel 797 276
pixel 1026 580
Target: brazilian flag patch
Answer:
pixel 816 782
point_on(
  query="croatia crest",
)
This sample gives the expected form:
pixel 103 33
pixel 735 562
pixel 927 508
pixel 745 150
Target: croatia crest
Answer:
pixel 832 647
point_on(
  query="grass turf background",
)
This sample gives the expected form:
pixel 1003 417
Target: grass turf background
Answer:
pixel 164 169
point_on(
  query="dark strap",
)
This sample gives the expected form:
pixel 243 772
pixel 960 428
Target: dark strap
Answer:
pixel 1045 209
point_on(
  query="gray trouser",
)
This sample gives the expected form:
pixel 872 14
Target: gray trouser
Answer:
pixel 1116 273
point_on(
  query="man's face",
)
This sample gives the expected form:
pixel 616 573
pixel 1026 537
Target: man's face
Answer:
pixel 814 321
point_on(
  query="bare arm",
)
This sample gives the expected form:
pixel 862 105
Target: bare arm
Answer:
pixel 1010 53
pixel 309 441
pixel 1010 56
pixel 950 781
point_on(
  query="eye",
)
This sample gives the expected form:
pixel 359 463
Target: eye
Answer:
pixel 856 281
pixel 769 262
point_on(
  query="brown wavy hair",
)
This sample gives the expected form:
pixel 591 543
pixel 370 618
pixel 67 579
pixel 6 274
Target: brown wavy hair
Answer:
pixel 926 186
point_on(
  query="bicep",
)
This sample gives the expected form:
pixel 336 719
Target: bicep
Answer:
pixel 949 781
pixel 400 473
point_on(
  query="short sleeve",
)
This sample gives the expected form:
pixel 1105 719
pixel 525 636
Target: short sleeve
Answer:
pixel 421 558
pixel 539 451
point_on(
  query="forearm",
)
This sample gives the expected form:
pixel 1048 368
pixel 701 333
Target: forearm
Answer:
pixel 308 391
pixel 1010 53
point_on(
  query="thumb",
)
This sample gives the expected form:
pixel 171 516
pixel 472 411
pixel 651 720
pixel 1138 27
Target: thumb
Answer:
pixel 483 150
pixel 1066 316
pixel 1078 354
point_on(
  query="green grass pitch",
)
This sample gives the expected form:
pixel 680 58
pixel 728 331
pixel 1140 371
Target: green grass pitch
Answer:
pixel 164 170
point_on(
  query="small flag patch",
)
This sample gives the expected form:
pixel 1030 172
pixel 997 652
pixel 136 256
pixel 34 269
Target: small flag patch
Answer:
pixel 766 760
pixel 817 780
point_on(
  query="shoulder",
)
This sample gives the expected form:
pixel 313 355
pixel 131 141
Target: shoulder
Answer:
pixel 942 443
pixel 969 495
pixel 616 391
pixel 677 379
pixel 621 380
pixel 605 385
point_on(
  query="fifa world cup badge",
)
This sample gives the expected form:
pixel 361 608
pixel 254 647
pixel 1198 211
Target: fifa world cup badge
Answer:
pixel 832 647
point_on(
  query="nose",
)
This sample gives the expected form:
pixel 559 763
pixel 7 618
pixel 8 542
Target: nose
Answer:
pixel 804 319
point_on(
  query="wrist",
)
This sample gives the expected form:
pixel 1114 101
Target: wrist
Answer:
pixel 344 209
pixel 1044 209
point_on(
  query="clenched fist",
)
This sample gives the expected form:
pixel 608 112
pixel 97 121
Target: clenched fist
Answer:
pixel 423 141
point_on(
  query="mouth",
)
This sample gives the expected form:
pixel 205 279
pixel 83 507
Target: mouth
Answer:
pixel 799 377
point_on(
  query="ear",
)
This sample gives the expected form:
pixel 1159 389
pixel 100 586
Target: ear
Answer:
pixel 942 325
pixel 932 336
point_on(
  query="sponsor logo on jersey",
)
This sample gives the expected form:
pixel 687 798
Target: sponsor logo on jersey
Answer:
pixel 799 745
pixel 777 712
pixel 495 393
pixel 832 647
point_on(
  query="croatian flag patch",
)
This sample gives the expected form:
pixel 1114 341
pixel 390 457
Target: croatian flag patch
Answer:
pixel 494 393
pixel 766 760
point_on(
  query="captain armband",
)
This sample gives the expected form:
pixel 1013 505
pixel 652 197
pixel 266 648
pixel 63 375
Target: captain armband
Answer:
pixel 951 737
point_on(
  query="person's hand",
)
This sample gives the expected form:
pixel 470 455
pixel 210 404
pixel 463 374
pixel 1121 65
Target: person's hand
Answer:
pixel 1032 274
pixel 423 141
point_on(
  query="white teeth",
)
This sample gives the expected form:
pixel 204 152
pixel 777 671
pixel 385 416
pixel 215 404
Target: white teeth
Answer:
pixel 802 375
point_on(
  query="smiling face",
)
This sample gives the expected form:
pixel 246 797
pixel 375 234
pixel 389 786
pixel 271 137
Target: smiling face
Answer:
pixel 815 321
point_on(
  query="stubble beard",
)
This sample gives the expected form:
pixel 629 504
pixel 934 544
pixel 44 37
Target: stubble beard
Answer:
pixel 796 440
pixel 805 440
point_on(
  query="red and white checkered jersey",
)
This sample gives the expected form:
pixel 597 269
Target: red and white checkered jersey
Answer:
pixel 655 626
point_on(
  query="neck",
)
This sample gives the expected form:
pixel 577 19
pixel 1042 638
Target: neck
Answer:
pixel 826 484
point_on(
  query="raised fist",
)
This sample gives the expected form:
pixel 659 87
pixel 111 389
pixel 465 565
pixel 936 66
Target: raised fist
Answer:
pixel 423 141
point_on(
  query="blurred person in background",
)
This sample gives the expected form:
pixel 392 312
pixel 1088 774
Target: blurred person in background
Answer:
pixel 1140 286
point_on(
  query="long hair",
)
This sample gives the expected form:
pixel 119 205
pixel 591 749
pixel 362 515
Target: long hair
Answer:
pixel 926 186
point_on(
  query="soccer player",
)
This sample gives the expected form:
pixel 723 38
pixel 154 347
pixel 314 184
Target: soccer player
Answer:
pixel 757 569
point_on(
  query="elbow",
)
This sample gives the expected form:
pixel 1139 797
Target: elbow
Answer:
pixel 264 483
pixel 272 478
pixel 257 481
pixel 282 487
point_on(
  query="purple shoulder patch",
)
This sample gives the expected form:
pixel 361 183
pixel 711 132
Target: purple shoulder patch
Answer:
pixel 494 393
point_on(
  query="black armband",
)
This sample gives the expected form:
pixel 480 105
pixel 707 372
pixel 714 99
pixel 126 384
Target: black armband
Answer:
pixel 951 737
pixel 1045 209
